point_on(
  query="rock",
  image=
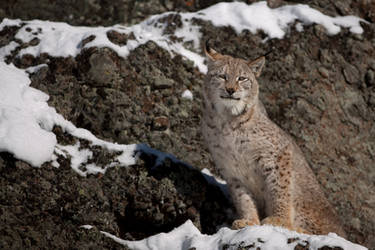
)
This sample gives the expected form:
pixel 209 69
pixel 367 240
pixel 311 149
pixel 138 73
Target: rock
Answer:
pixel 183 114
pixel 102 69
pixel 351 74
pixel 372 64
pixel 325 57
pixel 123 201
pixel 372 99
pixel 320 31
pixel 370 78
pixel 324 72
pixel 120 39
pixel 368 7
pixel 274 3
pixel 160 123
pixel 343 7
pixel 173 22
pixel 162 82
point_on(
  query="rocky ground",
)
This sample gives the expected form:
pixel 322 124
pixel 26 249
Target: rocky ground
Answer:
pixel 319 88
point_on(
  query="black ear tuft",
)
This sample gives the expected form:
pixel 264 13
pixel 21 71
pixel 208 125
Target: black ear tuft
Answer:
pixel 211 54
pixel 267 53
pixel 207 44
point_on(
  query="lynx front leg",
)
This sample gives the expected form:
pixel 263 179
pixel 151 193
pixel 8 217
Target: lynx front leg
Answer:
pixel 278 177
pixel 245 207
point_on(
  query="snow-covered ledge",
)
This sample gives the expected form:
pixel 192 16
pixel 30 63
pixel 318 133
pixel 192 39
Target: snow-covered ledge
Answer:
pixel 187 236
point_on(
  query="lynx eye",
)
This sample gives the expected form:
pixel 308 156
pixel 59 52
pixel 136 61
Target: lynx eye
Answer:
pixel 222 76
pixel 242 79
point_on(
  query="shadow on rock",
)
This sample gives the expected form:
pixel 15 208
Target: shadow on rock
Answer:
pixel 165 194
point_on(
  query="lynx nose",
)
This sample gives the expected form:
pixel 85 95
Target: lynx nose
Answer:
pixel 230 90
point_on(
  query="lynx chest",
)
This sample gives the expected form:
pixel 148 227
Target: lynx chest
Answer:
pixel 237 154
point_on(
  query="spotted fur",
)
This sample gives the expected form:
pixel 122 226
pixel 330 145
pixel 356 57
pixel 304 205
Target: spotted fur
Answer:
pixel 268 177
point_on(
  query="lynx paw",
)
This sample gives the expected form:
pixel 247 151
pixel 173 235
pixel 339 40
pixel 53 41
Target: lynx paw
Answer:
pixel 241 223
pixel 281 222
pixel 301 230
pixel 277 221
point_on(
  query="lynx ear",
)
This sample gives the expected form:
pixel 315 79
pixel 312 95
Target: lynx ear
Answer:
pixel 211 54
pixel 257 65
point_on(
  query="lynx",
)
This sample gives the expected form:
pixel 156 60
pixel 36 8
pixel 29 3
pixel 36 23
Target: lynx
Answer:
pixel 269 180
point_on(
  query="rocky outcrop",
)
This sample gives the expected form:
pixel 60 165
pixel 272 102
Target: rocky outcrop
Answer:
pixel 47 207
pixel 91 13
pixel 319 88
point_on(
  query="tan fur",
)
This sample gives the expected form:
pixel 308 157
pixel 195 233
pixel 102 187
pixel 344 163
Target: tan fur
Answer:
pixel 267 174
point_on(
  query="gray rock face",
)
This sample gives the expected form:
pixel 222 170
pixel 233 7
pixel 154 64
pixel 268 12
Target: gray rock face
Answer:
pixel 318 88
pixel 47 206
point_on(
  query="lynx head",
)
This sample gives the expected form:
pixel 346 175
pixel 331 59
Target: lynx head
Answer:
pixel 231 82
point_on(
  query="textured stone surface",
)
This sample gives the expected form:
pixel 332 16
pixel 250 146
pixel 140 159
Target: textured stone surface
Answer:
pixel 46 207
pixel 88 12
pixel 318 88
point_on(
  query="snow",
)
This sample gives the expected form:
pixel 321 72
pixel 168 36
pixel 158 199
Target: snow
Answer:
pixel 79 159
pixel 266 237
pixel 274 22
pixel 299 27
pixel 187 95
pixel 210 178
pixel 78 156
pixel 21 131
pixel 6 50
pixel 61 39
pixel 26 120
pixel 9 22
pixel 34 69
pixel 88 227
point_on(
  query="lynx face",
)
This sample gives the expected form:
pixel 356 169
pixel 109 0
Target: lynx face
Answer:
pixel 232 83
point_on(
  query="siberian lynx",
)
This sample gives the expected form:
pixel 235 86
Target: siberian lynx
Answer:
pixel 268 177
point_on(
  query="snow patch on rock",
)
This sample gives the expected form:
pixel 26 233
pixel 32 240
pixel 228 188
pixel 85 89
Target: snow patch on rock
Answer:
pixel 61 39
pixel 23 131
pixel 26 123
pixel 187 95
pixel 265 237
